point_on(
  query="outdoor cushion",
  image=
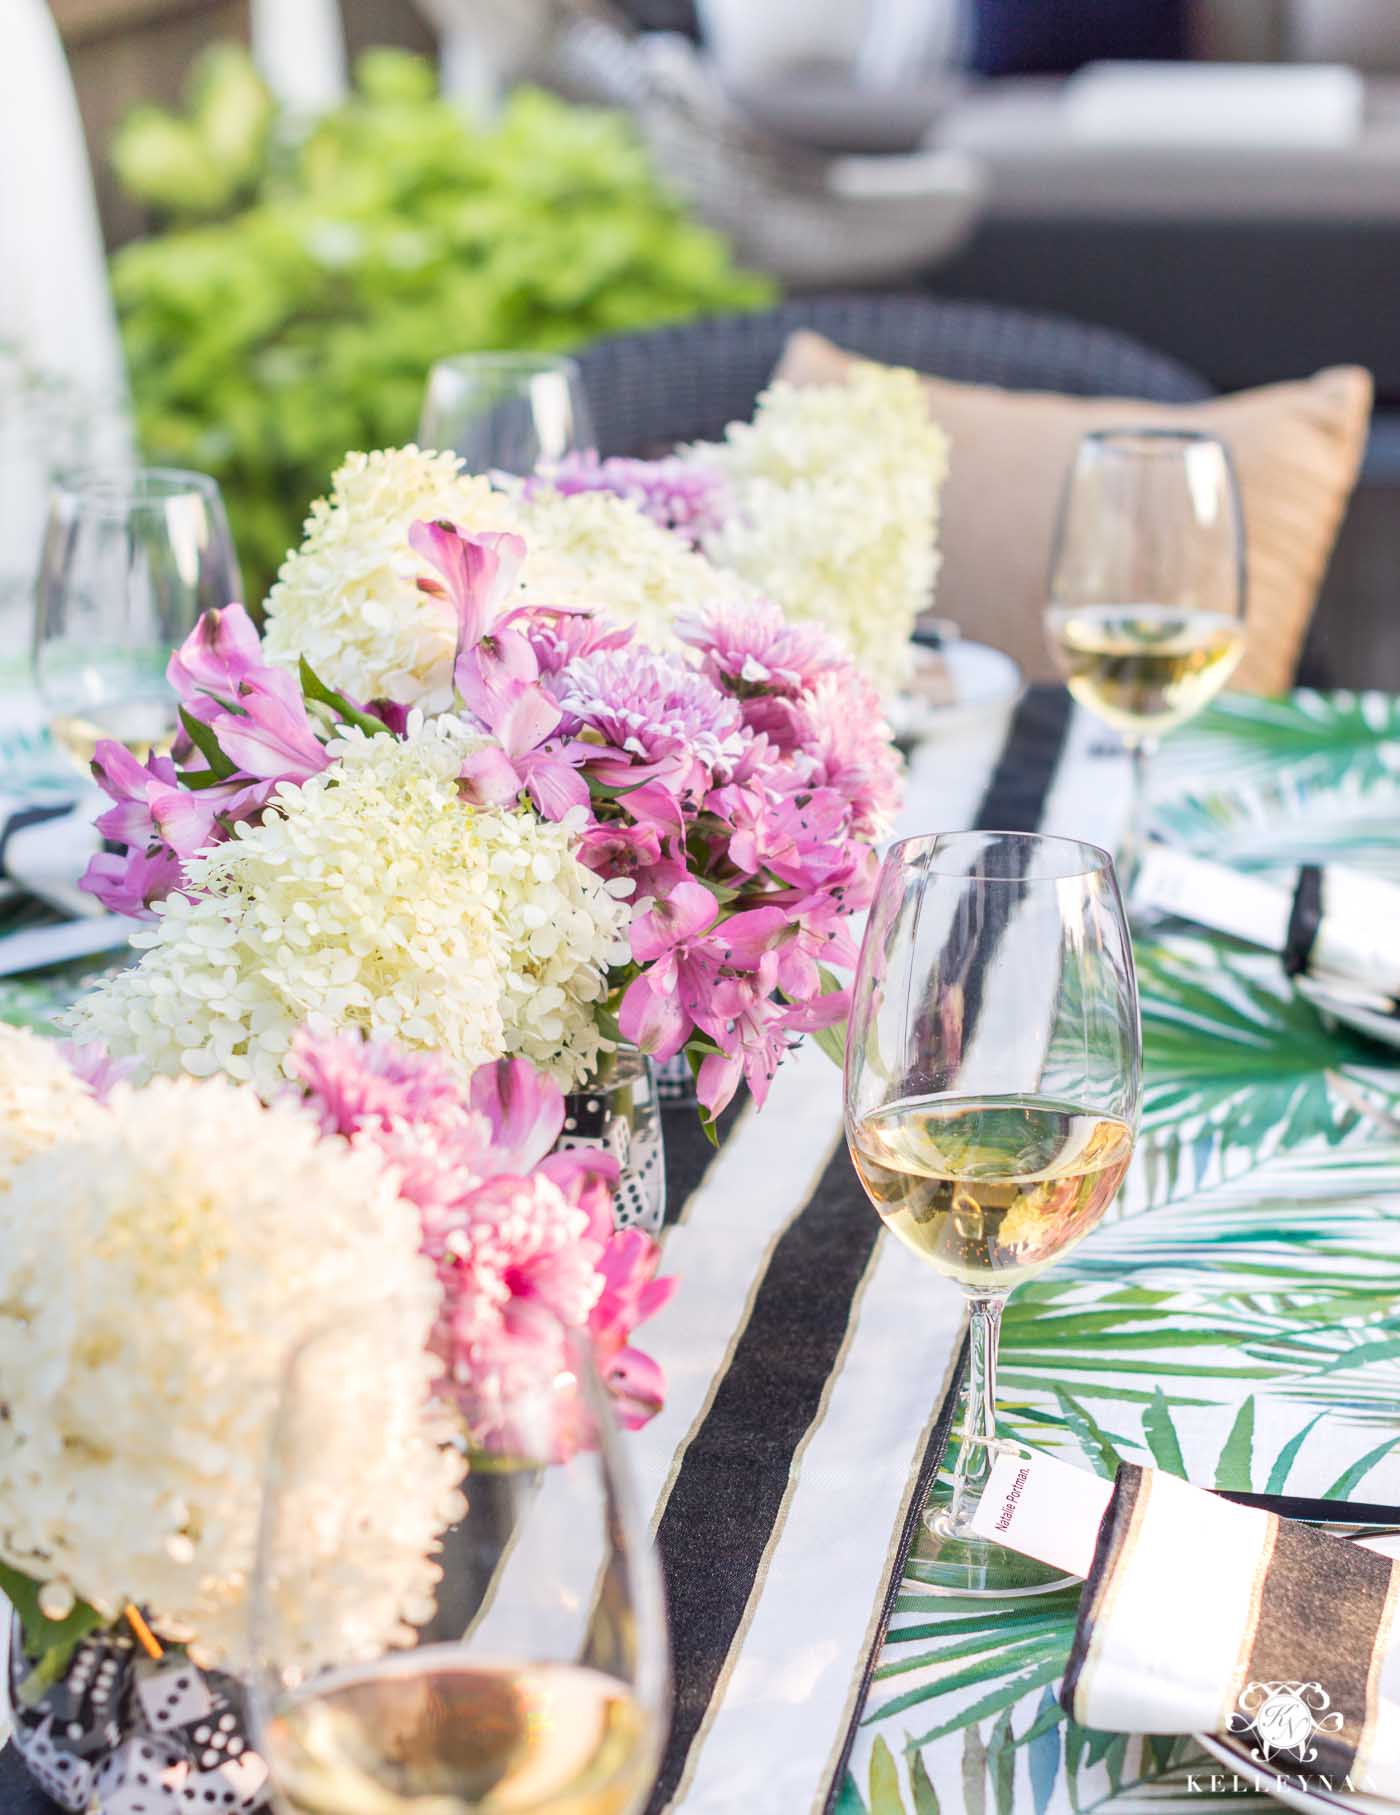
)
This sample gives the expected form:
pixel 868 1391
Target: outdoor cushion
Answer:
pixel 1297 448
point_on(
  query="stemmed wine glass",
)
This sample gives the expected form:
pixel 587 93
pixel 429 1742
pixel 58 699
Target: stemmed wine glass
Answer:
pixel 1147 588
pixel 506 412
pixel 993 1065
pixel 533 1673
pixel 131 557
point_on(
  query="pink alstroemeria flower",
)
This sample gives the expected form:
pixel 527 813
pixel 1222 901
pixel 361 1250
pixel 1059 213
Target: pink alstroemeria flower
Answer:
pixel 631 1294
pixel 221 650
pixel 270 737
pixel 92 1064
pixel 129 783
pixel 499 681
pixel 130 884
pixel 480 573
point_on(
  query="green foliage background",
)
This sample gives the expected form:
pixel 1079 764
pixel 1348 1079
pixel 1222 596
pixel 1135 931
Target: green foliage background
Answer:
pixel 306 281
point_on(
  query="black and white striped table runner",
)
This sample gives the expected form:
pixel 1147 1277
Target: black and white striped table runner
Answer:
pixel 811 1364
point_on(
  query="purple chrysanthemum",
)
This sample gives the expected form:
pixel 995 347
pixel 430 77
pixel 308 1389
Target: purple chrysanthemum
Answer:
pixel 649 706
pixel 680 495
pixel 749 644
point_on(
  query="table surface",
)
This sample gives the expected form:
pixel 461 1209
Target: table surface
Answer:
pixel 1223 1324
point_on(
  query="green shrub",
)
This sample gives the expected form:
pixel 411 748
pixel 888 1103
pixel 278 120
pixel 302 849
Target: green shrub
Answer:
pixel 304 284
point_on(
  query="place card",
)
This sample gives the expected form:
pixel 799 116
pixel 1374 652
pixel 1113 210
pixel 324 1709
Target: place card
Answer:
pixel 1044 1509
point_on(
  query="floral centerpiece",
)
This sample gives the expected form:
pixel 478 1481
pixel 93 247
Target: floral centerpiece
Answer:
pixel 826 502
pixel 162 1248
pixel 467 794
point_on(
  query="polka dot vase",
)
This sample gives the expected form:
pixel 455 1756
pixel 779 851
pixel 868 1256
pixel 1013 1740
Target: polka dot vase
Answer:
pixel 620 1112
pixel 121 1733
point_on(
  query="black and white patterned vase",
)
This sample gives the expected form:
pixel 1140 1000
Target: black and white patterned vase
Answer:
pixel 675 1082
pixel 619 1111
pixel 123 1734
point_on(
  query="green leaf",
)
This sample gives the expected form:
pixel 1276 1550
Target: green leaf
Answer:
pixel 1235 1468
pixel 1114 1760
pixel 1351 1478
pixel 849 1802
pixel 885 1798
pixel 314 688
pixel 832 1041
pixel 1043 1757
pixel 1287 1456
pixel 1001 1763
pixel 197 780
pixel 925 1796
pixel 204 740
pixel 48 1644
pixel 1161 1435
pixel 974 1773
pixel 992 1661
pixel 1092 1440
pixel 1005 1695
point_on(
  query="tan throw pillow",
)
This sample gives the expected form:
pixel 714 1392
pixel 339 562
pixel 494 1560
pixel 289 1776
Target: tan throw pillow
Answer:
pixel 1296 447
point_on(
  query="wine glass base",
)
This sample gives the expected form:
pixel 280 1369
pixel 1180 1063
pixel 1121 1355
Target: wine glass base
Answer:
pixel 971 1567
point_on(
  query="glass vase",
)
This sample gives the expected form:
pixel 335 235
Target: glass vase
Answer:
pixel 123 1733
pixel 618 1110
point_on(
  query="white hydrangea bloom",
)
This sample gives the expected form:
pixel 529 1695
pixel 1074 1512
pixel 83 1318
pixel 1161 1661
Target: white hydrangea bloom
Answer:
pixel 348 598
pixel 40 1099
pixel 372 897
pixel 835 492
pixel 154 1272
pixel 597 551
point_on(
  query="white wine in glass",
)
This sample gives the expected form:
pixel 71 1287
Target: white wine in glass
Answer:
pixel 1145 668
pixel 1146 614
pixel 536 1675
pixel 992 1189
pixel 459 1737
pixel 993 1061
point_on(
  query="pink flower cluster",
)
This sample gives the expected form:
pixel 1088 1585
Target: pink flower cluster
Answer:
pixel 738 785
pixel 739 791
pixel 246 728
pixel 679 495
pixel 521 1237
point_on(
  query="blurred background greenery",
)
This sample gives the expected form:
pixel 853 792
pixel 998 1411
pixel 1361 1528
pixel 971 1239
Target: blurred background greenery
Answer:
pixel 304 280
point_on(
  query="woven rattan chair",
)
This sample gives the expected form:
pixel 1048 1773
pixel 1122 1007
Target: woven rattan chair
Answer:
pixel 648 391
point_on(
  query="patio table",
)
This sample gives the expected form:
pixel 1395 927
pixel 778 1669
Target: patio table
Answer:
pixel 1234 1320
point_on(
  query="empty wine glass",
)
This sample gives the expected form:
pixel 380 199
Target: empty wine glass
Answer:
pixel 532 1673
pixel 506 412
pixel 130 559
pixel 1147 588
pixel 993 1061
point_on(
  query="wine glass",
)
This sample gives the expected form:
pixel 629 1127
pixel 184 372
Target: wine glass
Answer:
pixel 993 1064
pixel 506 412
pixel 1147 588
pixel 533 1674
pixel 130 559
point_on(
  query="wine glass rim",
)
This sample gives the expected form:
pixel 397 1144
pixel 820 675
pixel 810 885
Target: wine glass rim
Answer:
pixel 1092 859
pixel 120 487
pixel 505 361
pixel 1161 438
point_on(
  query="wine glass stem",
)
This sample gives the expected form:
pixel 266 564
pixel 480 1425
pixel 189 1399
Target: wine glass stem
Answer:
pixel 1140 752
pixel 974 1454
